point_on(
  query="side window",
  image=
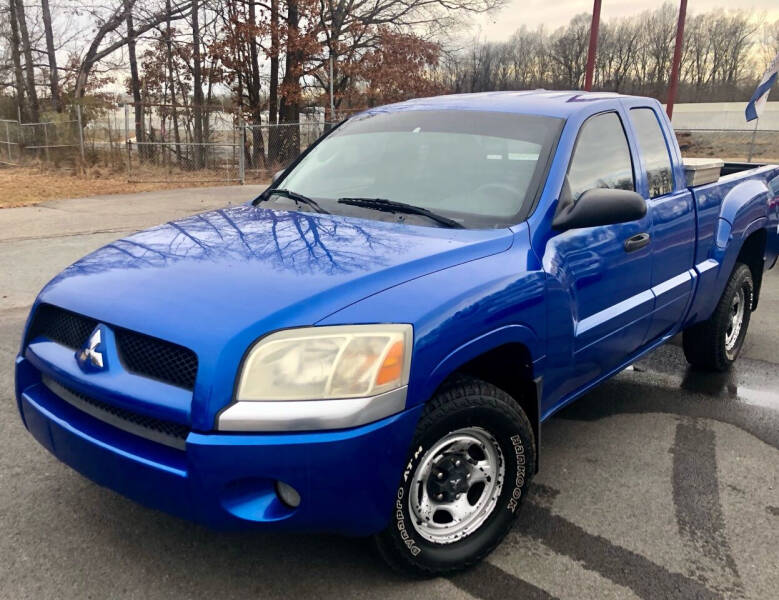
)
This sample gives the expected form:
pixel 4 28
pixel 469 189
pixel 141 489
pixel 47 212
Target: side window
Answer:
pixel 601 158
pixel 651 144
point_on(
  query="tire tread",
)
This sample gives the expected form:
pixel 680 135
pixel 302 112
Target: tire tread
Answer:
pixel 701 342
pixel 459 393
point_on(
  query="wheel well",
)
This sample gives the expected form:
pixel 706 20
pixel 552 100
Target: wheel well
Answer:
pixel 510 368
pixel 752 254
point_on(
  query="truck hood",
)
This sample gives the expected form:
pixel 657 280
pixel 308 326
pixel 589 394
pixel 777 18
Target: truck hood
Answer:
pixel 216 281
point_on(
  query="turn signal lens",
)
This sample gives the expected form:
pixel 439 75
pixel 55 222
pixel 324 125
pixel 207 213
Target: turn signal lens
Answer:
pixel 392 367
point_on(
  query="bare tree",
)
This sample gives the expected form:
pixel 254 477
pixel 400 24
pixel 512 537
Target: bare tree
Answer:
pixel 273 85
pixel 108 38
pixel 634 56
pixel 197 86
pixel 29 65
pixel 353 27
pixel 568 51
pixel 51 54
pixel 135 82
pixel 16 58
pixel 171 78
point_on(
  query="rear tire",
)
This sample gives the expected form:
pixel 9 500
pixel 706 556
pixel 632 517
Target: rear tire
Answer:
pixel 715 344
pixel 466 475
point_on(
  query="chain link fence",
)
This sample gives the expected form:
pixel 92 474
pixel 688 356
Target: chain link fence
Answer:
pixel 167 162
pixel 105 139
pixel 271 148
pixel 10 142
pixel 232 151
pixel 53 141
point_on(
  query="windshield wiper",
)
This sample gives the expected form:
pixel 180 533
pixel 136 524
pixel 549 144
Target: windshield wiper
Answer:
pixel 400 207
pixel 298 198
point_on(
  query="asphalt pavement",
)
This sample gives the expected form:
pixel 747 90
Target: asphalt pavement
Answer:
pixel 661 483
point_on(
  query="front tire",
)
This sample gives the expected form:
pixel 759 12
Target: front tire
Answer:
pixel 466 475
pixel 715 344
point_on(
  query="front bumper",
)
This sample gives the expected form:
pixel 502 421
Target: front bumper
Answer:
pixel 347 478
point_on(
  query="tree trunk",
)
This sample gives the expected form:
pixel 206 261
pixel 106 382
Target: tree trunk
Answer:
pixel 289 107
pixel 258 144
pixel 197 85
pixel 29 65
pixel 273 91
pixel 135 84
pixel 174 110
pixel 15 45
pixel 273 87
pixel 52 55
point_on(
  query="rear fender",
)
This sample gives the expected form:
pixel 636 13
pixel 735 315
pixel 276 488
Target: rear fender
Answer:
pixel 744 210
pixel 745 203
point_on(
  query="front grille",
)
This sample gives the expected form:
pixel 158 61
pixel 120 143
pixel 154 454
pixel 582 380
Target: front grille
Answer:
pixel 161 360
pixel 157 430
pixel 61 326
pixel 140 354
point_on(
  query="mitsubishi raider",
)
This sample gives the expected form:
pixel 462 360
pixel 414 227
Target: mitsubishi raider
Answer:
pixel 372 345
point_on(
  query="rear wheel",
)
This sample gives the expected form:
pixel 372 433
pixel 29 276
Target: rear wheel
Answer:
pixel 467 473
pixel 716 343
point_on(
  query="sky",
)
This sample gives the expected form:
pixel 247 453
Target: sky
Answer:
pixel 555 13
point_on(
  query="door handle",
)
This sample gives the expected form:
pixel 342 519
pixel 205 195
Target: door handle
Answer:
pixel 637 242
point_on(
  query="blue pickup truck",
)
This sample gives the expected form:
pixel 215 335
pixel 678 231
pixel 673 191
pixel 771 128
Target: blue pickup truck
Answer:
pixel 371 346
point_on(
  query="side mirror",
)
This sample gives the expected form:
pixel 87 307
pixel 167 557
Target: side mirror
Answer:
pixel 277 174
pixel 600 206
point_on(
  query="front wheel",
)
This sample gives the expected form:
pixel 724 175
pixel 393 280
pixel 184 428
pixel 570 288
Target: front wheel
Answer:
pixel 467 473
pixel 715 343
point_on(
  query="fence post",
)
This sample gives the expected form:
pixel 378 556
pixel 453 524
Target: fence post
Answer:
pixel 8 139
pixel 80 131
pixel 127 137
pixel 242 154
pixel 46 139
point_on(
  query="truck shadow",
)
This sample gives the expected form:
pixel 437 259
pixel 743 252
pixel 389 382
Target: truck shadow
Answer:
pixel 168 556
pixel 746 396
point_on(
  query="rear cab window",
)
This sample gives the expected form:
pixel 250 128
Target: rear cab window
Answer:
pixel 654 151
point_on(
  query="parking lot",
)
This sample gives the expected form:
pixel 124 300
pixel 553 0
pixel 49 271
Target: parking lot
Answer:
pixel 661 483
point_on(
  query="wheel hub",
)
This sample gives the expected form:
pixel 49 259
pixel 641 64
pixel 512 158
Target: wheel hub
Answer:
pixel 450 478
pixel 456 485
pixel 736 320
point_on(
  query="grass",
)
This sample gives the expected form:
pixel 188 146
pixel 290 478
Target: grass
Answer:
pixel 25 186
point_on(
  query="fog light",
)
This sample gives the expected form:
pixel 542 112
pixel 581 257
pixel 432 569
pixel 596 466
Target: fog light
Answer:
pixel 287 494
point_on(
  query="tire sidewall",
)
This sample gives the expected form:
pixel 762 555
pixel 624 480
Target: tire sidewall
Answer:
pixel 516 444
pixel 741 280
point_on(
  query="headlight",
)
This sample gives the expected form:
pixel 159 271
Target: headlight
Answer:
pixel 312 363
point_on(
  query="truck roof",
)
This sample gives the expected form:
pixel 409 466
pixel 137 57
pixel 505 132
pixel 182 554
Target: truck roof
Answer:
pixel 550 103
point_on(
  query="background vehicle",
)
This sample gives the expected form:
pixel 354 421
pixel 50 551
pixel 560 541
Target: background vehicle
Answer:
pixel 372 345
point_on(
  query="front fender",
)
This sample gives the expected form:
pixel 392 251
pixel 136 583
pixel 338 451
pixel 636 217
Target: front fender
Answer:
pixel 462 312
pixel 509 334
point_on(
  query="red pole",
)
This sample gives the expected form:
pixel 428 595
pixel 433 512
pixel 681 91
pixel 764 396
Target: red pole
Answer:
pixel 593 49
pixel 669 107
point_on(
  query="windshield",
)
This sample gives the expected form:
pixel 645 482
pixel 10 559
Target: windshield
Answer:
pixel 477 168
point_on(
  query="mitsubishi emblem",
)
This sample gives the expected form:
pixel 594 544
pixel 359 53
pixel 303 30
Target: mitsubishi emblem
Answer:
pixel 90 357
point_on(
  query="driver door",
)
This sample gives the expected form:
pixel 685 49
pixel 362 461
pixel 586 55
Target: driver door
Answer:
pixel 605 270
